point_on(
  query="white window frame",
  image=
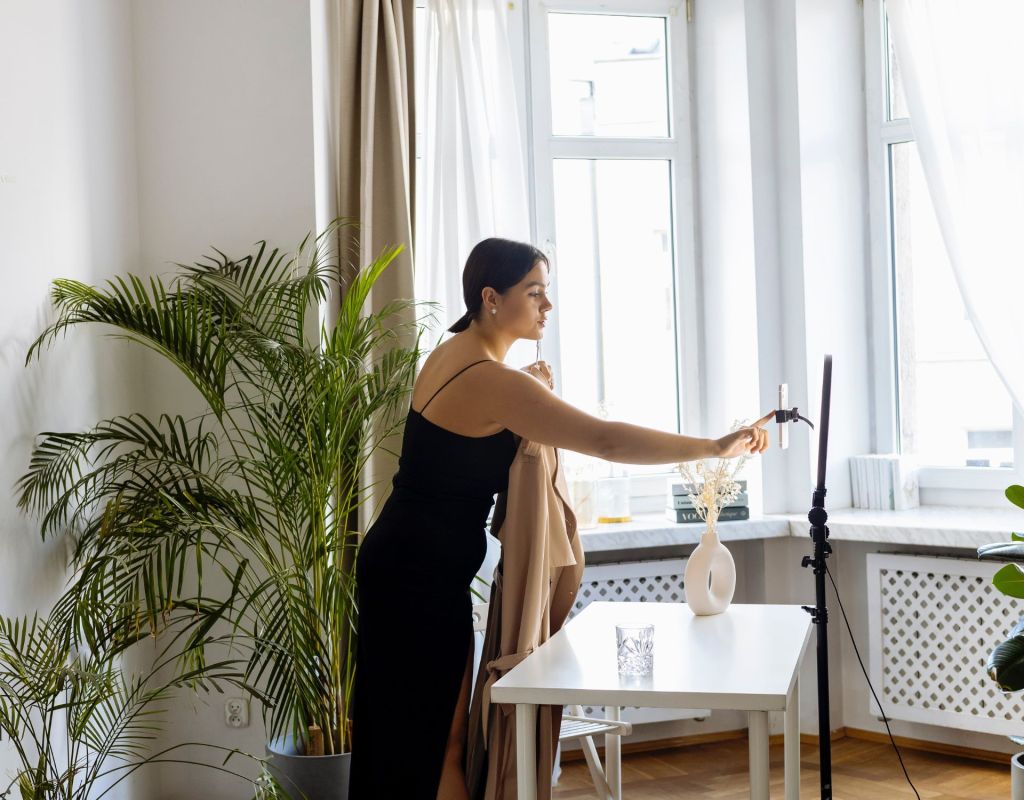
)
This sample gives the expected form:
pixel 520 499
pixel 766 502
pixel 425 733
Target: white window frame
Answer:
pixel 648 491
pixel 881 133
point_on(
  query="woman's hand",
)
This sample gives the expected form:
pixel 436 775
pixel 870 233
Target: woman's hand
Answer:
pixel 541 370
pixel 748 440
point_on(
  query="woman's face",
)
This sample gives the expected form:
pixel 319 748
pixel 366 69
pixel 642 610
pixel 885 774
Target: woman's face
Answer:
pixel 525 306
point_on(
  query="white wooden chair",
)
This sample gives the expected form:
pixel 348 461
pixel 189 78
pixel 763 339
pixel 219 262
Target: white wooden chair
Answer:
pixel 607 779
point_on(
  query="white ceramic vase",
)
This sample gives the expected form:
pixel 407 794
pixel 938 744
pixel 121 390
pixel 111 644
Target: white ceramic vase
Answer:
pixel 709 580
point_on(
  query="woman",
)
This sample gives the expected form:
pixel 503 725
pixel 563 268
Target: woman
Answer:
pixel 415 638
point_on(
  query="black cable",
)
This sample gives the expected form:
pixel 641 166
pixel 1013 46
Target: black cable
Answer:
pixel 885 718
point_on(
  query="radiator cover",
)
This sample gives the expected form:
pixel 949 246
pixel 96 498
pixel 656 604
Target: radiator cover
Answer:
pixel 932 624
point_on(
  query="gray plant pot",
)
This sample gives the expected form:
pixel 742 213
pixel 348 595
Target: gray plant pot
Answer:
pixel 1017 777
pixel 308 777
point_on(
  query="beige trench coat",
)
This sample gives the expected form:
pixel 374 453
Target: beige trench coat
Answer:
pixel 534 588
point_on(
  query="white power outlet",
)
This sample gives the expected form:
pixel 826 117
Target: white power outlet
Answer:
pixel 236 712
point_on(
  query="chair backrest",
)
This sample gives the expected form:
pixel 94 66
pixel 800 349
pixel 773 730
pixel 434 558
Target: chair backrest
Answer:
pixel 479 617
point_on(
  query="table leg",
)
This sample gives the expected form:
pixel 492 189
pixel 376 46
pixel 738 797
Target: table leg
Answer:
pixel 613 755
pixel 758 731
pixel 526 751
pixel 792 743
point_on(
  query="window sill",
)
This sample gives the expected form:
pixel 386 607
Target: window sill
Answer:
pixel 653 530
pixel 966 527
pixel 932 526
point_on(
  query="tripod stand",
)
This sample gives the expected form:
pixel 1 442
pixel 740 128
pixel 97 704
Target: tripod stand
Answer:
pixel 822 549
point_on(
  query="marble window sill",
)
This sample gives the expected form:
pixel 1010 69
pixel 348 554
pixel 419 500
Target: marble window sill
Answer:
pixel 932 526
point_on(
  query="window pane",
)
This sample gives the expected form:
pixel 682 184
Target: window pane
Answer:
pixel 954 410
pixel 608 75
pixel 896 99
pixel 615 290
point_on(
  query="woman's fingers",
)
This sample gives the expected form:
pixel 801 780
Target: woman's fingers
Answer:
pixel 758 440
pixel 751 439
pixel 542 371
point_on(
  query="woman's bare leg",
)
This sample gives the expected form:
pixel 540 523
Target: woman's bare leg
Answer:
pixel 453 777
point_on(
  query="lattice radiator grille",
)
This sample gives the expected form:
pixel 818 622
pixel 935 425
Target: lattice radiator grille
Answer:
pixel 638 582
pixel 933 623
pixel 627 582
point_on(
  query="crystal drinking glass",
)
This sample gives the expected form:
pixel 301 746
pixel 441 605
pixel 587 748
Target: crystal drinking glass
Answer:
pixel 635 647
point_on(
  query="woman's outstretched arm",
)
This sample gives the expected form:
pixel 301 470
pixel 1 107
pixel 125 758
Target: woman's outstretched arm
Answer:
pixel 528 407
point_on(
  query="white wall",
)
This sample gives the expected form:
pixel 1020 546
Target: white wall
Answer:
pixel 67 209
pixel 133 135
pixel 224 125
pixel 725 224
pixel 810 199
pixel 775 177
pixel 833 173
pixel 726 236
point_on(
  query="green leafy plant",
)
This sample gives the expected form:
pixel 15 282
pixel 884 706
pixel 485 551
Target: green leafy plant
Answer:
pixel 79 725
pixel 1006 663
pixel 261 490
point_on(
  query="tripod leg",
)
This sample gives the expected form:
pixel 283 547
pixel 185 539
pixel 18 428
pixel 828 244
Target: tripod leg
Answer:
pixel 824 724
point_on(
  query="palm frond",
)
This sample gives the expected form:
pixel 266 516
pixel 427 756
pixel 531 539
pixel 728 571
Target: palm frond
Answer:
pixel 182 328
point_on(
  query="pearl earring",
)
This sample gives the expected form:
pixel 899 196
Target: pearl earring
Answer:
pixel 494 311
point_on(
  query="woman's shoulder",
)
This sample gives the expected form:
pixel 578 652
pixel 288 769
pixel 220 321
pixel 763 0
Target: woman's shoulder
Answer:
pixel 455 354
pixel 447 360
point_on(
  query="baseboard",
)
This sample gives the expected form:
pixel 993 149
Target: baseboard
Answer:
pixel 973 753
pixel 808 738
pixel 976 754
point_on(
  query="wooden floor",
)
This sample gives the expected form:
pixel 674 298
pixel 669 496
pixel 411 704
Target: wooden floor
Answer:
pixel 861 770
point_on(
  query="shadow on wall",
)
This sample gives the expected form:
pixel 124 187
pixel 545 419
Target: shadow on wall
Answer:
pixel 69 388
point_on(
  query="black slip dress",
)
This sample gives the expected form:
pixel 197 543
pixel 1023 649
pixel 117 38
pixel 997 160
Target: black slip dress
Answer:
pixel 413 573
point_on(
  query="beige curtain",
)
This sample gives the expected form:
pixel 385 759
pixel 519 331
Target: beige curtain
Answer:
pixel 364 130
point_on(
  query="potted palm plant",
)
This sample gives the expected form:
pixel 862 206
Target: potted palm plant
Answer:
pixel 244 515
pixel 80 725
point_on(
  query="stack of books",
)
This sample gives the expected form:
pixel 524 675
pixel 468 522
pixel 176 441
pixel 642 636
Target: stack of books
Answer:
pixel 885 481
pixel 680 508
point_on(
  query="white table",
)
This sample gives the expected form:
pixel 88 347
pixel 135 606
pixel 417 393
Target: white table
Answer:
pixel 746 659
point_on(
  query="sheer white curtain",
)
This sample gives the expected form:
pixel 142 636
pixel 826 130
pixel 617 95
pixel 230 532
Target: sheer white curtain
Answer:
pixel 963 72
pixel 475 183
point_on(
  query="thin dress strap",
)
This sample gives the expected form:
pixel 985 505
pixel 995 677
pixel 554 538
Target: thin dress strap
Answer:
pixel 453 377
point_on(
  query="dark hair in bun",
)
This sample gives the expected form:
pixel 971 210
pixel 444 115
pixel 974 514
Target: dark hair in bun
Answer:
pixel 498 263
